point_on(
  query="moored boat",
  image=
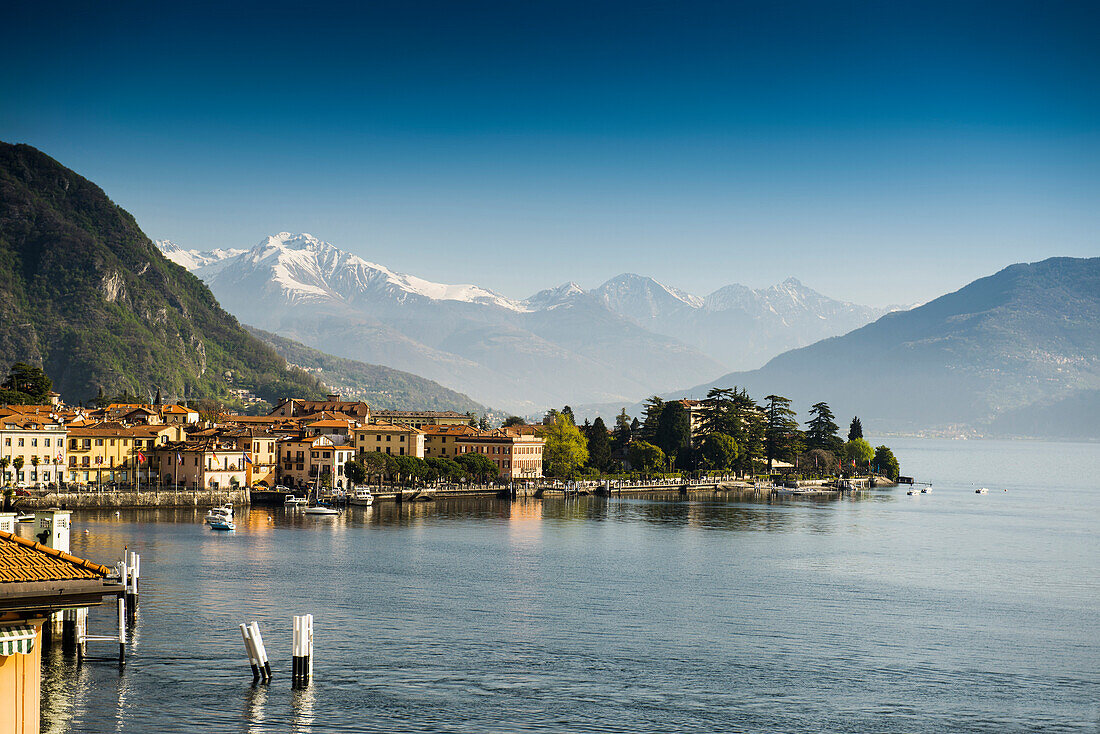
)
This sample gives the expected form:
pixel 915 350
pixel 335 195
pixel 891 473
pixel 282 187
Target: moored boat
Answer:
pixel 361 497
pixel 223 525
pixel 321 510
pixel 983 490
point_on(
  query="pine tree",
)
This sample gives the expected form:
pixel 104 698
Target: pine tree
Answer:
pixel 780 428
pixel 822 431
pixel 599 445
pixel 855 430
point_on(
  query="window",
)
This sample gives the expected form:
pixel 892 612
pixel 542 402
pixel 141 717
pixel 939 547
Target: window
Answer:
pixel 402 439
pixel 99 442
pixel 48 443
pixel 34 442
pixel 389 437
pixel 112 442
pixel 402 450
pixel 20 440
pixel 7 441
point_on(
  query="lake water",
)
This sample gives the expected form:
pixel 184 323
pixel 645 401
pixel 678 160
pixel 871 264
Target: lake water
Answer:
pixel 884 613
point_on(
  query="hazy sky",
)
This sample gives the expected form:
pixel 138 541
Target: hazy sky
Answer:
pixel 880 152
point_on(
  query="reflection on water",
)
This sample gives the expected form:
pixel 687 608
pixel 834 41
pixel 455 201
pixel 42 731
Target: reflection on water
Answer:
pixel 706 612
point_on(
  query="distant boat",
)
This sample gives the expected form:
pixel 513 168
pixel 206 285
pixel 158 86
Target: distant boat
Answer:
pixel 223 525
pixel 321 510
pixel 292 501
pixel 926 490
pixel 913 491
pixel 983 490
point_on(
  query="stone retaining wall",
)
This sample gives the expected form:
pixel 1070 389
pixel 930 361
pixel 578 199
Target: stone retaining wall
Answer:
pixel 119 500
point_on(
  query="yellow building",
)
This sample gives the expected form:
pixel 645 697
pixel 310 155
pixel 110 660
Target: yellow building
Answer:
pixel 441 442
pixel 516 455
pixel 305 461
pixel 387 438
pixel 210 462
pixel 105 453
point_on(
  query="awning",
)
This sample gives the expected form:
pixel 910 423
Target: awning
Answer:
pixel 17 640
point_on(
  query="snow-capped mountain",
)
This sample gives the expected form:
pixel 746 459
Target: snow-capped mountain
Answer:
pixel 558 347
pixel 306 269
pixel 194 259
pixel 644 298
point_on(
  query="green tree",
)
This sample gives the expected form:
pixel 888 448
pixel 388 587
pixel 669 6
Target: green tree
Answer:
pixel 886 463
pixel 718 451
pixel 673 433
pixel 566 450
pixel 818 462
pixel 355 472
pixel 35 461
pixel 478 466
pixel 569 412
pixel 599 445
pixel 17 464
pixel 513 420
pixel 440 469
pixel 645 457
pixel 374 463
pixel 859 451
pixel 654 406
pixel 779 434
pixel 27 385
pixel 855 430
pixel 822 432
pixel 5 462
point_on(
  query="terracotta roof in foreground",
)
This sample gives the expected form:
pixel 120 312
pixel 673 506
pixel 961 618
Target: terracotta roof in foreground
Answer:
pixel 23 560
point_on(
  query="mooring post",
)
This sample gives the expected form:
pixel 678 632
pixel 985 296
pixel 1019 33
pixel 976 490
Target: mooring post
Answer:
pixel 121 629
pixel 250 650
pixel 81 633
pixel 261 651
pixel 133 566
pixel 302 650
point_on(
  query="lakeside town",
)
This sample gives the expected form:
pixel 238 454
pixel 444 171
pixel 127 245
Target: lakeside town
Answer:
pixel 333 445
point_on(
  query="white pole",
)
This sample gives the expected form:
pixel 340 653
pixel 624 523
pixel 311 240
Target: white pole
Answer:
pixel 261 652
pixel 121 629
pixel 250 651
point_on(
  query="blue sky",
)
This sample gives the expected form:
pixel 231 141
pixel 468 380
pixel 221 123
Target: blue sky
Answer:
pixel 880 152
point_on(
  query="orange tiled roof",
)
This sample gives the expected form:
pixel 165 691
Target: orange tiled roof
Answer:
pixel 23 560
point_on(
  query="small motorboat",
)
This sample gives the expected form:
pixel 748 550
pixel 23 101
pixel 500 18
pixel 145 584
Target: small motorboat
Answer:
pixel 926 490
pixel 983 490
pixel 292 501
pixel 362 498
pixel 912 492
pixel 216 514
pixel 321 510
pixel 223 525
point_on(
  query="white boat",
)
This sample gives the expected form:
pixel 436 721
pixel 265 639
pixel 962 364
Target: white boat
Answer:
pixel 292 501
pixel 321 510
pixel 223 525
pixel 926 490
pixel 361 497
pixel 220 514
pixel 912 492
pixel 983 490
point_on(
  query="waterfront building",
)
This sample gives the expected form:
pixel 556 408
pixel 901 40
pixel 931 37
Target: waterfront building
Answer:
pixel 101 453
pixel 206 462
pixel 304 460
pixel 441 442
pixel 36 442
pixel 422 418
pixel 517 455
pixel 388 438
pixel 262 447
pixel 35 582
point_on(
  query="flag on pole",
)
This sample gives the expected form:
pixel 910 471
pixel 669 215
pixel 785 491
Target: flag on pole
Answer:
pixel 245 455
pixel 179 458
pixel 141 456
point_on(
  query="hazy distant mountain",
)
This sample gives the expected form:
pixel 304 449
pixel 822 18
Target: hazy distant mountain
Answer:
pixel 1004 351
pixel 737 325
pixel 520 355
pixel 383 387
